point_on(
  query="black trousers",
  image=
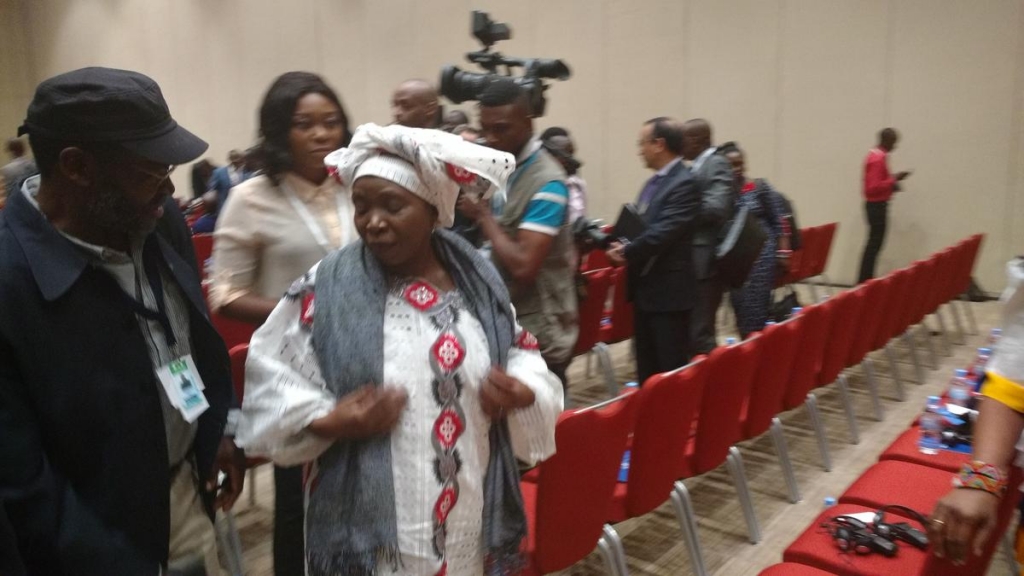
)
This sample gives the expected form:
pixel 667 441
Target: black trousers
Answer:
pixel 662 341
pixel 289 522
pixel 878 216
pixel 705 313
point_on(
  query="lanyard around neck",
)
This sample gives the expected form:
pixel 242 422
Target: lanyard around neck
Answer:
pixel 307 217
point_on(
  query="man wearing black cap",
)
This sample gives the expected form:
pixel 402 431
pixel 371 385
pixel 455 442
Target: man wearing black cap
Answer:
pixel 114 386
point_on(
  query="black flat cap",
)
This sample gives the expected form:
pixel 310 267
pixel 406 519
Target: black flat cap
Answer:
pixel 115 106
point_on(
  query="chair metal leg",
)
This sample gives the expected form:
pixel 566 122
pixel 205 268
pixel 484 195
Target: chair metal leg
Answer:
pixel 872 382
pixel 894 370
pixel 1010 551
pixel 252 486
pixel 969 312
pixel 961 334
pixel 608 553
pixel 612 537
pixel 851 418
pixel 908 339
pixel 604 363
pixel 229 543
pixel 828 284
pixel 947 342
pixel 779 438
pixel 932 357
pixel 734 462
pixel 819 431
pixel 688 523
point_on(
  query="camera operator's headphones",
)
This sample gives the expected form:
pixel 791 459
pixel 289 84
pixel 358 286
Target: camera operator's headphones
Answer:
pixel 902 530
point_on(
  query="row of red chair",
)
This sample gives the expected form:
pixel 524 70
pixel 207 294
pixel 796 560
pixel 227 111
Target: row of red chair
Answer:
pixel 679 432
pixel 811 260
pixel 903 475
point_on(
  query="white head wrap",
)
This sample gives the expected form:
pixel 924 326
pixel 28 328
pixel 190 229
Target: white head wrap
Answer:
pixel 431 164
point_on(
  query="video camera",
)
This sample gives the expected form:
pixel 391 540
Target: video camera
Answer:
pixel 459 86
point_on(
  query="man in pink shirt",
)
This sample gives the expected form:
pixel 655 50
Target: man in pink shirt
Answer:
pixel 878 188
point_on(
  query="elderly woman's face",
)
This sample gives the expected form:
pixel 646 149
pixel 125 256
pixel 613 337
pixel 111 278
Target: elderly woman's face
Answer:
pixel 394 223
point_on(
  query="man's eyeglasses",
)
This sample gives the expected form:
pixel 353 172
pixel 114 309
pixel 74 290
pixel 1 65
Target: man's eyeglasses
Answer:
pixel 160 175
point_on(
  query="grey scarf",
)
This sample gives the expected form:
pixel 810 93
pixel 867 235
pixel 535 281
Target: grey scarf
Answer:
pixel 350 521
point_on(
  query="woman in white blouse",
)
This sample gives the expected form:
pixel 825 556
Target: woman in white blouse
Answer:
pixel 272 229
pixel 396 366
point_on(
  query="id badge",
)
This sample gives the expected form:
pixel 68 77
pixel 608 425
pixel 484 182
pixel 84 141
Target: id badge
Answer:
pixel 184 387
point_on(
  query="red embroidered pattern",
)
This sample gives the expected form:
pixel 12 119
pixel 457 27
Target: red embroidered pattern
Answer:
pixel 460 175
pixel 421 295
pixel 527 341
pixel 448 427
pixel 448 352
pixel 308 305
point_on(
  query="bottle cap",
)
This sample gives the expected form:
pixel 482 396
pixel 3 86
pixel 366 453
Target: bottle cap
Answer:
pixel 632 385
pixel 830 501
pixel 984 351
pixel 730 341
pixel 961 373
pixel 934 400
pixel 770 323
pixel 797 309
pixel 997 331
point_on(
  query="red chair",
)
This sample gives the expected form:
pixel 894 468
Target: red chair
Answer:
pixel 666 410
pixel 203 245
pixel 778 353
pixel 876 295
pixel 595 260
pixel 963 275
pixel 818 257
pixel 891 326
pixel 790 569
pixel 566 509
pixel 720 425
pixel 591 312
pixel 811 237
pixel 814 321
pixel 905 449
pixel 238 356
pixel 846 313
pixel 621 326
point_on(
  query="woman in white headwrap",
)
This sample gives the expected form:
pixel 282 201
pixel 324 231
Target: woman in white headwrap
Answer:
pixel 396 366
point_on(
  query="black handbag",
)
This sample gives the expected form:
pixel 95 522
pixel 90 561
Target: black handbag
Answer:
pixel 783 308
pixel 740 248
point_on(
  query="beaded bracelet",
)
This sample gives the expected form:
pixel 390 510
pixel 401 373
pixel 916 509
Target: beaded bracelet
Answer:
pixel 978 475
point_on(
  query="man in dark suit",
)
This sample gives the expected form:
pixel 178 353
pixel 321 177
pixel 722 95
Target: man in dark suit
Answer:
pixel 109 466
pixel 660 266
pixel 715 184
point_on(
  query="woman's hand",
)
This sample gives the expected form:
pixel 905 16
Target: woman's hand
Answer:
pixel 961 519
pixel 501 393
pixel 367 412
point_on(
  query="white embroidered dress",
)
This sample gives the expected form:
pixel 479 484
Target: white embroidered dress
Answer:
pixel 437 352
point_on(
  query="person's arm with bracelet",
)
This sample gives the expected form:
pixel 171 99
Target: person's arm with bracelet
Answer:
pixel 236 264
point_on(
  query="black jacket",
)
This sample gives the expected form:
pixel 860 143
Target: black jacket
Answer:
pixel 661 274
pixel 84 478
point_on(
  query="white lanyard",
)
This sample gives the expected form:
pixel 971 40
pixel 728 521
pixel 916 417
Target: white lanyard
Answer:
pixel 310 221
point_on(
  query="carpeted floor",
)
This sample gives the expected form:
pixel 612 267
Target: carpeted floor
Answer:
pixel 654 544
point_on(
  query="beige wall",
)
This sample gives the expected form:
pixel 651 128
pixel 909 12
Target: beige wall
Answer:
pixel 804 85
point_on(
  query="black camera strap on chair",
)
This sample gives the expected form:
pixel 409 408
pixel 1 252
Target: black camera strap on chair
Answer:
pixel 853 535
pixel 902 530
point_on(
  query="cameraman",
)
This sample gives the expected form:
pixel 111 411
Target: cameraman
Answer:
pixel 531 244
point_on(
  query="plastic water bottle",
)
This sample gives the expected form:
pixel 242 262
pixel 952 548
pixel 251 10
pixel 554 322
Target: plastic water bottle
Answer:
pixel 993 336
pixel 624 466
pixel 730 341
pixel 960 389
pixel 830 502
pixel 977 370
pixel 796 310
pixel 931 427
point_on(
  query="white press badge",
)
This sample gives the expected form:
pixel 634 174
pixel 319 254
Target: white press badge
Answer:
pixel 184 387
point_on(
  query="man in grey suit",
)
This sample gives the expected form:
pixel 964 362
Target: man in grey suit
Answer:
pixel 715 184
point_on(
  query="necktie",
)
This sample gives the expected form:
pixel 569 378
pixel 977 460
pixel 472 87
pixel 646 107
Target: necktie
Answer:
pixel 648 192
